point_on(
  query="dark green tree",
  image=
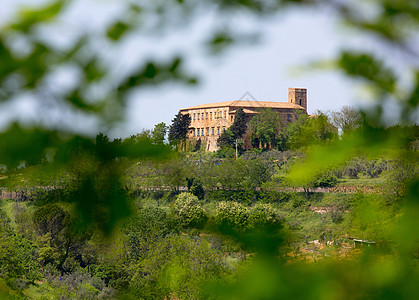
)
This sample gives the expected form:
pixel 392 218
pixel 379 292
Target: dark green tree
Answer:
pixel 239 126
pixel 228 138
pixel 179 129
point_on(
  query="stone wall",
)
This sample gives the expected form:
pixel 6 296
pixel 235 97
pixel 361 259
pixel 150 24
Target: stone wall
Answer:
pixel 208 124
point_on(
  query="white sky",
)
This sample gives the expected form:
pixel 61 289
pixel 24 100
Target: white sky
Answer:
pixel 290 41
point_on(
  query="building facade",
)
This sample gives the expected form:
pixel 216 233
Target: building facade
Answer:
pixel 208 121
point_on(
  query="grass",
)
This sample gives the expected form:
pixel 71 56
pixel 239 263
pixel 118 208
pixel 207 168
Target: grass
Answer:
pixel 7 293
pixel 362 181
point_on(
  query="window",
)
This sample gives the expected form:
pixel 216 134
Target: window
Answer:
pixel 211 115
pixel 225 115
pixel 207 130
pixel 194 116
pixel 218 130
pixel 193 132
pixel 224 129
pixel 197 132
pixel 212 130
pixel 198 116
pixel 206 116
pixel 232 118
pixel 300 101
pixel 202 115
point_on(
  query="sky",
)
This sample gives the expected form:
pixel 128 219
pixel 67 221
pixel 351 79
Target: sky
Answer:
pixel 288 44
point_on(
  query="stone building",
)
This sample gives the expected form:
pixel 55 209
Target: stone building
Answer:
pixel 208 121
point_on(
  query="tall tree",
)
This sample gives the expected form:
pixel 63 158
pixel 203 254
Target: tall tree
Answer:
pixel 239 126
pixel 236 130
pixel 179 129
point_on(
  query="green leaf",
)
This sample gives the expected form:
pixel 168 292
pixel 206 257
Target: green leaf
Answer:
pixel 29 17
pixel 117 30
pixel 366 66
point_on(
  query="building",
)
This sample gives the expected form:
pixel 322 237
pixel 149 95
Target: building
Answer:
pixel 208 121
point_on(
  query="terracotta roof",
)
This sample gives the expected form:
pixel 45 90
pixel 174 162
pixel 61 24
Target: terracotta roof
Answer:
pixel 249 104
pixel 246 111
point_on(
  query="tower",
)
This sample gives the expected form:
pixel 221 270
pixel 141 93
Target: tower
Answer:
pixel 298 96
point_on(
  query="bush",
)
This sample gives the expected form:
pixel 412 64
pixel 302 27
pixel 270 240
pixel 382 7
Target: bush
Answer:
pixel 354 167
pixel 189 211
pixel 375 168
pixel 326 180
pixel 232 215
pixel 235 216
pixel 248 197
pixel 225 152
pixel 264 216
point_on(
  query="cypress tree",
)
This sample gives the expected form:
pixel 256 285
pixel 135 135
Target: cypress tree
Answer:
pixel 239 126
pixel 179 128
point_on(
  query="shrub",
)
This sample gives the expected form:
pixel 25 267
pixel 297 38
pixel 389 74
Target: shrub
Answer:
pixel 375 168
pixel 189 211
pixel 326 180
pixel 232 215
pixel 264 216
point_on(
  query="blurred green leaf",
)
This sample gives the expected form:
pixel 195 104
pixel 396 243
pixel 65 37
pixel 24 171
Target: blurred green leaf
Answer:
pixel 365 66
pixel 18 144
pixel 117 30
pixel 93 71
pixel 29 17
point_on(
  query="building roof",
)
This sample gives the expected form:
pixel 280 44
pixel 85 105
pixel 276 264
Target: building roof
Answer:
pixel 246 104
pixel 245 110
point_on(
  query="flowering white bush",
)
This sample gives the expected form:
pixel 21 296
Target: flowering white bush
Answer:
pixel 233 215
pixel 189 211
pixel 240 218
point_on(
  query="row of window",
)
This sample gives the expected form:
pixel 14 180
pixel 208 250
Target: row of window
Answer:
pixel 201 131
pixel 217 115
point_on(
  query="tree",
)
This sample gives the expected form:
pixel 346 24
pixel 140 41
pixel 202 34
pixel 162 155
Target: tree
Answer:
pixel 229 137
pixel 158 134
pixel 239 126
pixel 149 226
pixel 309 130
pixel 265 128
pixel 258 173
pixel 226 139
pixel 179 129
pixel 347 119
